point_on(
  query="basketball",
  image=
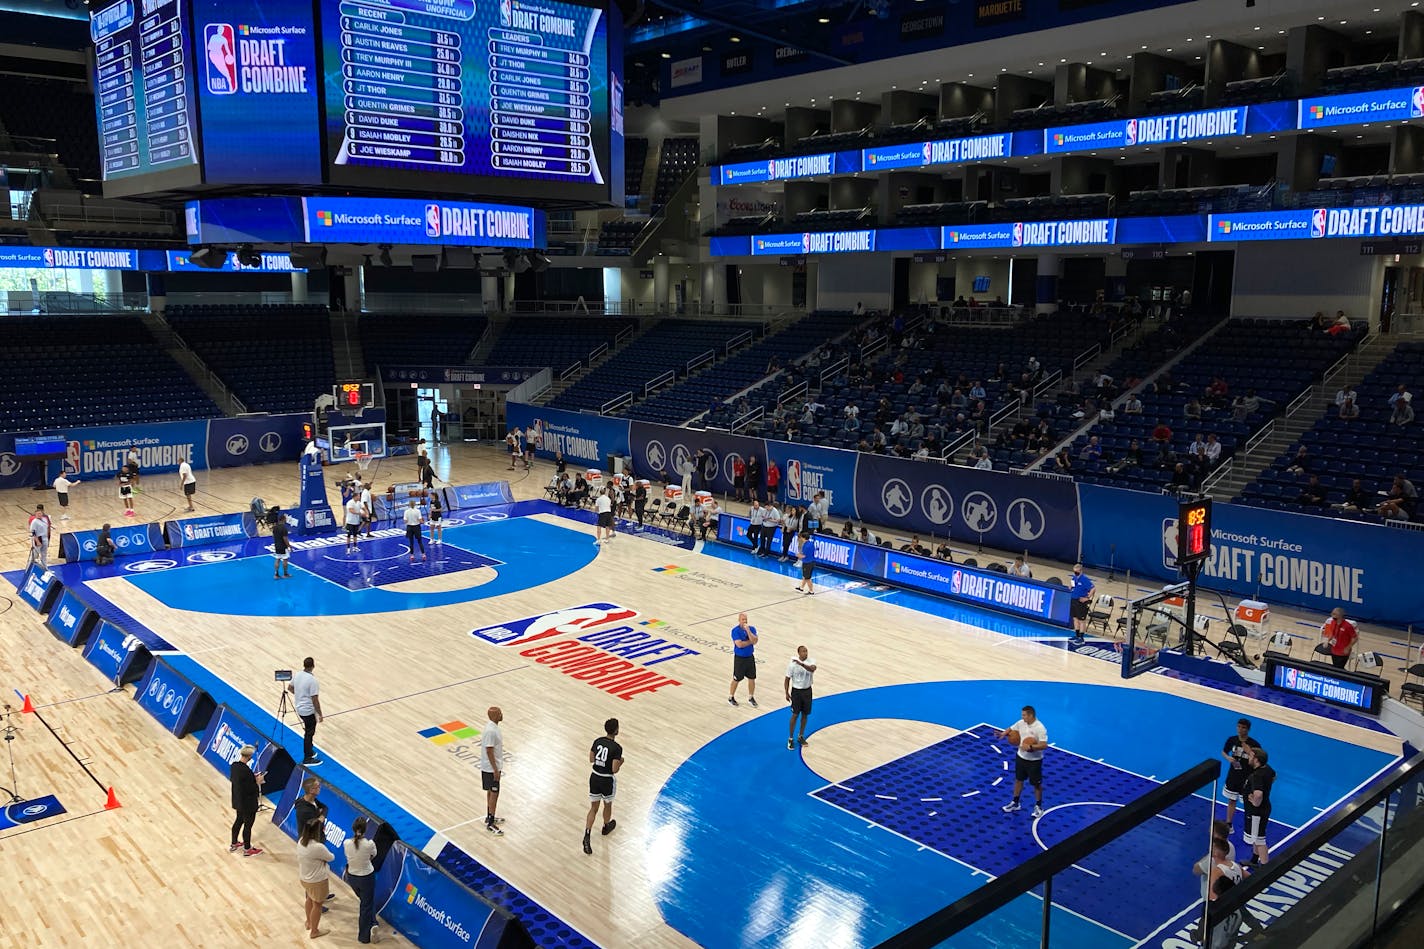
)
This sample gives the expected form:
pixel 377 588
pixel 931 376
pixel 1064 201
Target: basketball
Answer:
pixel 1013 736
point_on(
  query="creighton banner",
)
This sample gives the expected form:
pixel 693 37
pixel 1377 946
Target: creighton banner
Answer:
pixel 1317 563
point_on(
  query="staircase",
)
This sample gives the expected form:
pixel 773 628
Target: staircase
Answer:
pixel 1272 441
pixel 493 330
pixel 197 370
pixel 560 386
pixel 346 350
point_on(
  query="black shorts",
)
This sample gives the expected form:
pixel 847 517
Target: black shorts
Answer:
pixel 601 787
pixel 64 500
pixel 801 701
pixel 435 517
pixel 1235 781
pixel 126 491
pixel 605 518
pixel 1258 822
pixel 1030 771
pixel 353 529
pixel 412 531
pixel 1079 610
pixel 190 488
pixel 488 782
pixel 806 569
pixel 744 667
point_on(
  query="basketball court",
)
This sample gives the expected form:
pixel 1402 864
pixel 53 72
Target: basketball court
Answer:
pixel 725 837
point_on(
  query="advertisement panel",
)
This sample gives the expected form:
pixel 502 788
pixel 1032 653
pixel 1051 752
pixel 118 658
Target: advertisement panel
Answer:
pixel 171 699
pixel 846 242
pixel 243 220
pixel 485 494
pixel 39 587
pixel 1356 108
pixel 271 262
pixel 1031 234
pixel 476 375
pixel 583 439
pixel 209 529
pixel 100 451
pixel 341 812
pixel 71 620
pixel 257 440
pixel 69 258
pixel 782 169
pixel 1007 511
pixel 436 912
pixel 1317 563
pixel 807 469
pixel 129 539
pixel 658 448
pixel 1326 683
pixel 948 151
pixel 427 221
pixel 686 72
pixel 119 657
pixel 222 744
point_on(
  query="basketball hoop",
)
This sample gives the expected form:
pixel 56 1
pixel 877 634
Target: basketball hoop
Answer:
pixel 363 461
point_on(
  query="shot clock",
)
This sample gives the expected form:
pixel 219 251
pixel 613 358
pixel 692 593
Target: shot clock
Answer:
pixel 1194 531
pixel 354 396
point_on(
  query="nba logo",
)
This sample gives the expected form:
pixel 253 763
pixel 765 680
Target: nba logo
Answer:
pixel 771 170
pixel 1290 678
pixel 221 63
pixel 49 257
pixel 1018 234
pixel 71 458
pixel 506 12
pixel 793 479
pixel 925 153
pixel 805 243
pixel 1317 222
pixel 1416 103
pixel 954 581
pixel 432 220
pixel 1131 133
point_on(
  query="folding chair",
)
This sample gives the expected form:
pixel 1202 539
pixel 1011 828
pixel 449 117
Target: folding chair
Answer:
pixel 1414 689
pixel 1368 662
pixel 1101 611
pixel 1281 640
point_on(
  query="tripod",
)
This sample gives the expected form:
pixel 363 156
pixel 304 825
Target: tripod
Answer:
pixel 10 730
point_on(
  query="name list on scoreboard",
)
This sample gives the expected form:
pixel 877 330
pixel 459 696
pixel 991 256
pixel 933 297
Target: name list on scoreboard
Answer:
pixel 409 99
pixel 150 54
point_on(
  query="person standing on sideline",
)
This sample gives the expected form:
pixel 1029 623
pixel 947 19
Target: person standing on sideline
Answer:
pixel 368 512
pixel 739 478
pixel 640 502
pixel 361 874
pixel 353 521
pixel 1339 636
pixel 1236 752
pixel 62 484
pixel 491 767
pixel 39 537
pixel 307 807
pixel 126 490
pixel 604 505
pixel 755 517
pixel 1028 765
pixel 246 795
pixel 1257 795
pixel 437 518
pixel 606 757
pixel 305 689
pixel 186 481
pixel 753 478
pixel 773 481
pixel 312 858
pixel 281 544
pixel 798 692
pixel 744 640
pixel 1082 596
pixel 414 520
pixel 512 445
pixel 131 462
pixel 804 557
pixel 770 521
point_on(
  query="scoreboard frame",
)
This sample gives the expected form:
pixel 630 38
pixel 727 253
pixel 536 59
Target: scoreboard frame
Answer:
pixel 363 392
pixel 1193 531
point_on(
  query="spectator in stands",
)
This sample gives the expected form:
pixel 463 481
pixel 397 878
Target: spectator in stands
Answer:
pixel 1358 498
pixel 1340 326
pixel 1401 394
pixel 980 416
pixel 1104 384
pixel 1132 458
pixel 982 461
pixel 1133 405
pixel 1213 451
pixel 1162 438
pixel 1218 393
pixel 1318 322
pixel 1181 477
pixel 1402 415
pixel 1244 408
pixel 943 552
pixel 915 547
pixel 847 531
pixel 1001 373
pixel 1401 501
pixel 1301 461
pixel 1093 450
pixel 1349 411
pixel 866 537
pixel 958 400
pixel 1062 463
pixel 976 390
pixel 1193 410
pixel 1196 451
pixel 1346 392
pixel 960 302
pixel 1035 368
pixel 1020 569
pixel 1313 493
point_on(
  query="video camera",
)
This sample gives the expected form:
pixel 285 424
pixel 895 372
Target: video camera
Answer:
pixel 282 675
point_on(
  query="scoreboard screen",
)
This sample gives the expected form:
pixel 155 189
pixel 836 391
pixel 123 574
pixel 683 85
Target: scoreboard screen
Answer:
pixel 499 97
pixel 1193 531
pixel 143 94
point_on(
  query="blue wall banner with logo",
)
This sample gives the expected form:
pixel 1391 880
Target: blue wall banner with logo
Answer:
pixel 71 619
pixel 428 221
pixel 1011 512
pixel 655 448
pixel 434 911
pixel 120 657
pixel 14 472
pixel 485 494
pixel 1357 108
pixel 436 375
pixel 806 469
pixel 180 261
pixel 254 440
pixel 222 743
pixel 129 540
pixel 341 813
pixel 584 438
pixel 171 699
pixel 1317 563
pixel 39 587
pixel 209 529
pixel 100 451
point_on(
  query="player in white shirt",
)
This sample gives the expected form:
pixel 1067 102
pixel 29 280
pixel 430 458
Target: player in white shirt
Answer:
pixel 353 521
pixel 62 484
pixel 1028 766
pixel 798 693
pixel 367 511
pixel 413 521
pixel 186 481
pixel 492 767
pixel 604 505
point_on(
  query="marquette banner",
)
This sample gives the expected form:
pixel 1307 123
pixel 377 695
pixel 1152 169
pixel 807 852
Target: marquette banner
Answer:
pixel 584 439
pixel 435 912
pixel 1317 563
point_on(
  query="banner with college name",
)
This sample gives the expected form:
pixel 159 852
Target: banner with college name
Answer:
pixel 341 813
pixel 121 658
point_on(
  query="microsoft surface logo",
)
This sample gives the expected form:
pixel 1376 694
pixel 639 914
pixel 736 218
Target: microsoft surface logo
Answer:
pixel 448 733
pixel 410 892
pixel 1224 227
pixel 653 623
pixel 670 568
pixel 1317 112
pixel 244 29
pixel 325 218
pixel 1057 138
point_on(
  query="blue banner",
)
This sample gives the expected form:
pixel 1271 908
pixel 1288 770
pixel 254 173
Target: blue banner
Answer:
pixel 1317 563
pixel 806 469
pixel 129 540
pixel 222 743
pixel 118 656
pixel 1357 108
pixel 341 813
pixel 100 451
pixel 315 512
pixel 434 911
pixel 209 529
pixel 485 494
pixel 583 438
pixel 780 169
pixel 1380 221
pixel 436 375
pixel 179 262
pixel 1011 512
pixel 14 471
pixel 244 220
pixel 1319 681
pixel 1172 229
pixel 171 699
pixel 39 587
pixel 421 221
pixel 71 619
pixel 658 448
pixel 254 440
pixel 27 812
pixel 69 258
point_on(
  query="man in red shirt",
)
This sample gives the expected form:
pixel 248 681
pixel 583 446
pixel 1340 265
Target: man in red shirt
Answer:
pixel 773 481
pixel 1339 635
pixel 739 478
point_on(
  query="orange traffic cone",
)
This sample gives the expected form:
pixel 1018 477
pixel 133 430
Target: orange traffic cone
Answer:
pixel 113 801
pixel 29 706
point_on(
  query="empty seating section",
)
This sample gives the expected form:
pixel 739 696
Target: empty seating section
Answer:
pixel 1276 360
pixel 702 392
pixel 420 339
pixel 669 345
pixel 1361 191
pixel 274 358
pixel 942 212
pixel 1264 89
pixel 1340 451
pixel 635 156
pixel 1166 101
pixel 1214 198
pixel 91 370
pixel 1073 113
pixel 35 109
pixel 676 161
pixel 1386 75
pixel 1050 207
pixel 555 341
pixel 616 238
pixel 821 218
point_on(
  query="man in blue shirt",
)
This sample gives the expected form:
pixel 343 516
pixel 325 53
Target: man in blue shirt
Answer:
pixel 744 640
pixel 1082 596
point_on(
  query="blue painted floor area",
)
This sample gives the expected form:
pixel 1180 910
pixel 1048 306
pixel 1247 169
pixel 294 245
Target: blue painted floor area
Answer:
pixel 328 581
pixel 798 862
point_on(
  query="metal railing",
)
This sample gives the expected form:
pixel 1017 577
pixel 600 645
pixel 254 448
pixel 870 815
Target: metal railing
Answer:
pixel 1301 401
pixel 598 352
pixel 658 382
pixel 831 371
pixel 740 339
pixel 1087 356
pixel 572 371
pixel 616 403
pixel 755 415
pixel 796 391
pixel 1266 432
pixel 102 214
pixel 697 362
pixel 1219 475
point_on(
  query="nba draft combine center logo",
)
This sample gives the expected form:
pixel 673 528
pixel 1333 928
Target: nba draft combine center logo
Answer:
pixel 251 60
pixel 581 643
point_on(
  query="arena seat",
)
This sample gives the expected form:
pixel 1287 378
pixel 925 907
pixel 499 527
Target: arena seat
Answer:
pixel 444 339
pixel 555 341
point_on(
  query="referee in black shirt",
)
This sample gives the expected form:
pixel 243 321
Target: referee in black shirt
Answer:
pixel 606 757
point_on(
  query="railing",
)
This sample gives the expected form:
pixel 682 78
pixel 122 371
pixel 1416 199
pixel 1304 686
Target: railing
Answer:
pixel 1404 525
pixel 795 392
pixel 1047 382
pixel 697 362
pixel 831 371
pixel 666 378
pixel 624 335
pixel 1301 401
pixel 1004 316
pixel 956 444
pixel 1008 410
pixel 874 346
pixel 1087 356
pixel 1335 370
pixel 531 388
pixel 616 403
pixel 599 352
pixel 1219 475
pixel 1266 432
pixel 107 215
pixel 755 415
pixel 572 371
pixel 1046 475
pixel 740 339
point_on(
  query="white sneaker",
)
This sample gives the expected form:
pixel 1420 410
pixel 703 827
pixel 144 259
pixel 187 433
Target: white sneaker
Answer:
pixel 64 517
pixel 1037 811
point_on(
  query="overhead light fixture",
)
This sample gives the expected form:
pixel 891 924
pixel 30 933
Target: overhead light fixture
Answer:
pixel 736 39
pixel 823 19
pixel 666 55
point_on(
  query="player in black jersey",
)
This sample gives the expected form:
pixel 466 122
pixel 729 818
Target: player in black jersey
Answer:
pixel 606 756
pixel 1257 794
pixel 1239 769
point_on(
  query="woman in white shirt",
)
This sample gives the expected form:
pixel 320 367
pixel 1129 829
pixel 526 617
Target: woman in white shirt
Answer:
pixel 361 874
pixel 312 858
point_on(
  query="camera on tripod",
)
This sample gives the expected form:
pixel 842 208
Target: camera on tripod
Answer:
pixel 282 675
